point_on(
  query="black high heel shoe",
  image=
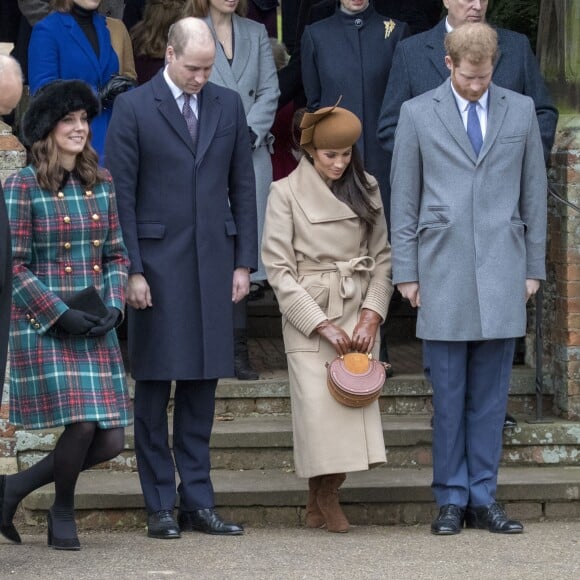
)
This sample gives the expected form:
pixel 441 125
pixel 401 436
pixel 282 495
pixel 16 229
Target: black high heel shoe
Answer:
pixel 7 529
pixel 61 543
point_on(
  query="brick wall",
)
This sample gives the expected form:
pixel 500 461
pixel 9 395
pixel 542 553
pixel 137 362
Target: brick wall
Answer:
pixel 562 290
pixel 12 157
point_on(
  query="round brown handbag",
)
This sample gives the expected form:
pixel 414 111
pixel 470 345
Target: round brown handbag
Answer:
pixel 356 379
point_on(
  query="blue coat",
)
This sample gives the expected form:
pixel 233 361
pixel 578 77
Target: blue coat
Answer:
pixel 59 49
pixel 350 55
pixel 419 66
pixel 5 287
pixel 189 219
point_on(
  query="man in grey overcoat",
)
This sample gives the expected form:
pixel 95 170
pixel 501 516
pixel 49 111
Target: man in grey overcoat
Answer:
pixel 419 66
pixel 179 151
pixel 468 241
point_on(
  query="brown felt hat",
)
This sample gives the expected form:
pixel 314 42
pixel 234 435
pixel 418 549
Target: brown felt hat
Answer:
pixel 329 128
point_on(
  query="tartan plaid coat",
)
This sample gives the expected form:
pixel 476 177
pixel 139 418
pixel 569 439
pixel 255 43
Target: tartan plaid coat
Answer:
pixel 62 243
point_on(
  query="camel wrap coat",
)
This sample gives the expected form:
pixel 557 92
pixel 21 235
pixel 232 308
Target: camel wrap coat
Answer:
pixel 323 263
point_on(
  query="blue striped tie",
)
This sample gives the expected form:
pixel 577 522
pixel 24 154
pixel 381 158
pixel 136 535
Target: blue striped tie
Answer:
pixel 474 128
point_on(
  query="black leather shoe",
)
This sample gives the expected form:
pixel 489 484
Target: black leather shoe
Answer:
pixel 449 521
pixel 509 421
pixel 492 518
pixel 207 521
pixel 7 529
pixel 162 526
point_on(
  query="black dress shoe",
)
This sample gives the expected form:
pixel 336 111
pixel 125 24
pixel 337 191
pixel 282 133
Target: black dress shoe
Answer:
pixel 207 521
pixel 162 526
pixel 492 518
pixel 7 529
pixel 509 421
pixel 449 521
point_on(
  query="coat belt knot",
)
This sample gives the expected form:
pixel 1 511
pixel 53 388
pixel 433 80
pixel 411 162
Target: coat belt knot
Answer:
pixel 341 285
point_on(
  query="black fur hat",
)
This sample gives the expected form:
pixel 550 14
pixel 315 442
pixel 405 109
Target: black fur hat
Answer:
pixel 53 102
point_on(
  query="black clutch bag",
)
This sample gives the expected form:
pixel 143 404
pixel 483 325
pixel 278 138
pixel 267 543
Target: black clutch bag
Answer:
pixel 87 300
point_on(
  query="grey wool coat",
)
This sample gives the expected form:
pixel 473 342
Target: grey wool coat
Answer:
pixel 324 264
pixel 469 230
pixel 252 74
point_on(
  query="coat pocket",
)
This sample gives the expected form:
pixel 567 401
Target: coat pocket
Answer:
pixel 151 230
pixel 512 138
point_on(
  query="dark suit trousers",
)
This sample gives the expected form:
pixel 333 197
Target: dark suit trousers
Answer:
pixel 192 424
pixel 470 389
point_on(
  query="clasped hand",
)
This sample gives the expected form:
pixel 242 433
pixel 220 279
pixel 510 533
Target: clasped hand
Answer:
pixel 78 322
pixel 363 336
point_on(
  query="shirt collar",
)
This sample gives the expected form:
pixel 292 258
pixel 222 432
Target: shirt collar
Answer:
pixel 175 90
pixel 464 103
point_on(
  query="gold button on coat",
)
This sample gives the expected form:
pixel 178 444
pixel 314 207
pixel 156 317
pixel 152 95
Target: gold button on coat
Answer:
pixel 60 194
pixel 96 217
pixel 67 245
pixel 96 268
pixel 37 326
pixel 88 193
pixel 68 269
pixel 66 219
pixel 96 243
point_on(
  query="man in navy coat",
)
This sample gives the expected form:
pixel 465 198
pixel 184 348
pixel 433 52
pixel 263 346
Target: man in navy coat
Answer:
pixel 179 151
pixel 419 66
pixel 10 93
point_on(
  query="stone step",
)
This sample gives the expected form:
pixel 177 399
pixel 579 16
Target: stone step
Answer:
pixel 112 500
pixel 403 394
pixel 265 442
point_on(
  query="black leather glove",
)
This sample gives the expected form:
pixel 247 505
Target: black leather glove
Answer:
pixel 116 85
pixel 77 322
pixel 106 323
pixel 365 332
pixel 335 335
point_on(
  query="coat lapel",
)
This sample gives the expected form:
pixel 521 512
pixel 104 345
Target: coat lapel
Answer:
pixel 317 202
pixel 81 40
pixel 222 71
pixel 169 109
pixel 242 48
pixel 210 110
pixel 446 109
pixel 496 111
pixel 435 49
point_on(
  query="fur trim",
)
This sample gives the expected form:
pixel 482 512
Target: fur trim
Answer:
pixel 53 102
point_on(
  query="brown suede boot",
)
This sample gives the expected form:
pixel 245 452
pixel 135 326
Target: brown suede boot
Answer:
pixel 328 502
pixel 314 517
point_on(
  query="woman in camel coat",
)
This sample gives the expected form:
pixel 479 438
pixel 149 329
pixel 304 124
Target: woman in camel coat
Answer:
pixel 329 264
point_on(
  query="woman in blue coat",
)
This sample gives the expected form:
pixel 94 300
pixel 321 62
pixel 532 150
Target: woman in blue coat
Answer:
pixel 74 43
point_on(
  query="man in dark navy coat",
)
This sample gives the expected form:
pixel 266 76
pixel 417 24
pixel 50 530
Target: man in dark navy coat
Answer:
pixel 419 66
pixel 179 151
pixel 10 93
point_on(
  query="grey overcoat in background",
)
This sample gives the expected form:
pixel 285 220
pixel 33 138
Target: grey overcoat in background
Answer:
pixel 252 74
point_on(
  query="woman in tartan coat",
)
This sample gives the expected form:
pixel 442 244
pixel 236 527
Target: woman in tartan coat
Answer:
pixel 66 367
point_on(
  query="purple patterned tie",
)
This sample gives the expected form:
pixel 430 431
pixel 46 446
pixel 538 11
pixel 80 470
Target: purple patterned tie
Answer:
pixel 190 118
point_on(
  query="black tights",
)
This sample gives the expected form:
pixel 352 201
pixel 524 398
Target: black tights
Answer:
pixel 81 446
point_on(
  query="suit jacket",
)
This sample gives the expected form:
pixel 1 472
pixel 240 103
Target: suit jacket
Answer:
pixel 5 287
pixel 419 66
pixel 252 75
pixel 469 230
pixel 359 42
pixel 189 219
pixel 59 49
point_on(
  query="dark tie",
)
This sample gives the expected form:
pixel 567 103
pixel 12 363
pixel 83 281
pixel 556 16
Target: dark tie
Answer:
pixel 474 128
pixel 190 118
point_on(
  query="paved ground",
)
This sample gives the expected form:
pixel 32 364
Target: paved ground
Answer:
pixel 547 551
